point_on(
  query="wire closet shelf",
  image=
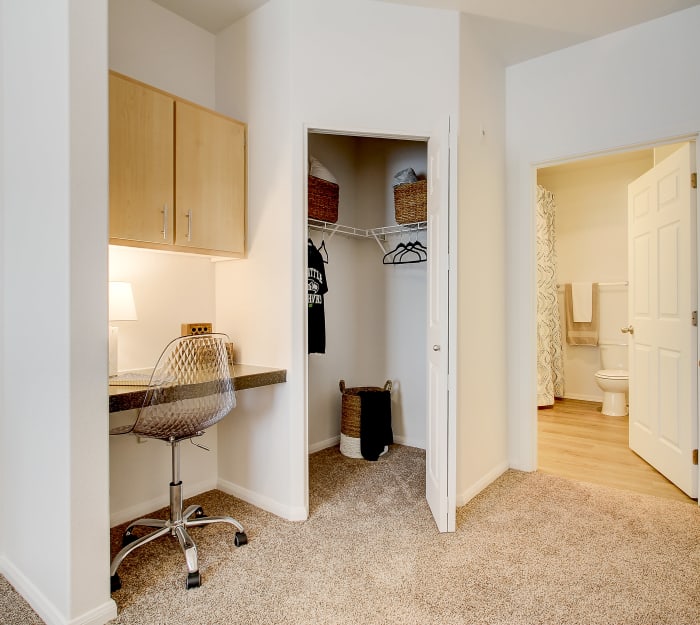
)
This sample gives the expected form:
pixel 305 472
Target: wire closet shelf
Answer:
pixel 378 234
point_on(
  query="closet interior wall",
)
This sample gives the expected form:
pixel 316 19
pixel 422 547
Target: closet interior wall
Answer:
pixel 376 314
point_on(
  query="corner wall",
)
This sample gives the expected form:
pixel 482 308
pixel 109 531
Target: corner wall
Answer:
pixel 268 69
pixel 54 205
pixel 626 89
pixel 482 453
pixel 253 61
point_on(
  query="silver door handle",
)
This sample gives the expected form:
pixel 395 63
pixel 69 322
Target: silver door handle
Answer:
pixel 629 329
pixel 436 348
pixel 189 225
pixel 164 231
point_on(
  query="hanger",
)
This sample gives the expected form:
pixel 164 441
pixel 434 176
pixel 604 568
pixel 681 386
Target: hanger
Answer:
pixel 406 253
pixel 321 249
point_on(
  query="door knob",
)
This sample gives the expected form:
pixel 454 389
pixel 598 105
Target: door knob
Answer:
pixel 436 348
pixel 629 329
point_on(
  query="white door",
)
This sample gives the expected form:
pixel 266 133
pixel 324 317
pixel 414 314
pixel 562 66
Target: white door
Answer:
pixel 662 338
pixel 439 470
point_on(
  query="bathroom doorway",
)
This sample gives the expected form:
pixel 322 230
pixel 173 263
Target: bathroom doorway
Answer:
pixel 591 233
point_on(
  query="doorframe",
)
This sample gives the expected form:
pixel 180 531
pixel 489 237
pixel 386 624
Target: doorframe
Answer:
pixel 530 451
pixel 451 257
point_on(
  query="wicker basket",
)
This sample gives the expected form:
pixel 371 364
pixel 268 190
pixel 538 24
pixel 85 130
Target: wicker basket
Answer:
pixel 350 417
pixel 323 199
pixel 411 202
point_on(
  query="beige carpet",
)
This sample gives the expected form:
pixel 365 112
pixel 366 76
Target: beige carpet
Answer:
pixel 532 549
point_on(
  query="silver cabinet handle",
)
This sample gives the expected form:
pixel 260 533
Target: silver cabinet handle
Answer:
pixel 164 231
pixel 436 348
pixel 629 329
pixel 189 225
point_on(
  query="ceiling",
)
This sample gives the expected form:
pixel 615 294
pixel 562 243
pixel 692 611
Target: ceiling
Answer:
pixel 516 29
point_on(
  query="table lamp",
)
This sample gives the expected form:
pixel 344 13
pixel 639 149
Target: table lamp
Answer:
pixel 121 308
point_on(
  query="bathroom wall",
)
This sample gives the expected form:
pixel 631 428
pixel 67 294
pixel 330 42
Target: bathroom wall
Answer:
pixel 591 246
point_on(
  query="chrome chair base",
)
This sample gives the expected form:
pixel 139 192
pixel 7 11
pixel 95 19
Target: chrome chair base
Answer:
pixel 176 526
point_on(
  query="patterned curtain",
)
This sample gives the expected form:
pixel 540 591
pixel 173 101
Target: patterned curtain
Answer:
pixel 550 368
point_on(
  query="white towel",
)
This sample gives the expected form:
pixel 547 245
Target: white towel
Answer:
pixel 582 297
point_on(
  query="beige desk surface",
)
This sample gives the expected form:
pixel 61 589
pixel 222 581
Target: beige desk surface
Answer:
pixel 244 377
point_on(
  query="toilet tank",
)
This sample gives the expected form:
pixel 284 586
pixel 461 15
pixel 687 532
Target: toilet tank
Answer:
pixel 613 356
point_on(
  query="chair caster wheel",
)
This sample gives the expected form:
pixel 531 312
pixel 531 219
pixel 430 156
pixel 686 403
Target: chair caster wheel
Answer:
pixel 240 539
pixel 128 538
pixel 194 580
pixel 199 513
pixel 114 583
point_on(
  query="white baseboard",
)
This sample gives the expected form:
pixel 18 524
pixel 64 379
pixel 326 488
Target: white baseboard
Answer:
pixel 329 442
pixel 99 616
pixel 47 610
pixel 291 513
pixel 407 442
pixel 332 442
pixel 478 486
pixel 595 398
pixel 134 512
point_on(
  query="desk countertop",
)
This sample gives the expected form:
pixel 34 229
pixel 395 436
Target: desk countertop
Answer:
pixel 244 376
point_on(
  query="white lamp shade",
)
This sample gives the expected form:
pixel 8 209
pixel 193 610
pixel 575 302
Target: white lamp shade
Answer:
pixel 121 302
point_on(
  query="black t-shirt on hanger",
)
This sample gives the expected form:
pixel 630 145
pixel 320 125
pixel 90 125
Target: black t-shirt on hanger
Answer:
pixel 317 287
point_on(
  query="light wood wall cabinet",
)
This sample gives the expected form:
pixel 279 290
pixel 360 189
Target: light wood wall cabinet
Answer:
pixel 176 173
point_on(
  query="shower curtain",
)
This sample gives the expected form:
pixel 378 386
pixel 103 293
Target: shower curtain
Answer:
pixel 550 367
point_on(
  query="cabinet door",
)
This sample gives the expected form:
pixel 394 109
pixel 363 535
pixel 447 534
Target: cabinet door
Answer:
pixel 209 180
pixel 140 162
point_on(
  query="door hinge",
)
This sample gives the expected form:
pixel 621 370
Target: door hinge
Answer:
pixel 695 456
pixel 694 180
pixel 694 317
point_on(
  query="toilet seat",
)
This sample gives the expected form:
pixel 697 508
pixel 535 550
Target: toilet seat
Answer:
pixel 612 374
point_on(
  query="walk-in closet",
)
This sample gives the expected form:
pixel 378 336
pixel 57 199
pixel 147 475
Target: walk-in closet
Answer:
pixel 376 304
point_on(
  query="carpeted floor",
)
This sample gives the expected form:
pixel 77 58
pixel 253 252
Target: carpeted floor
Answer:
pixel 532 549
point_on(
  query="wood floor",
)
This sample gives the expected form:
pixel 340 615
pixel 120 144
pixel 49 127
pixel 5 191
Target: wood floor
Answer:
pixel 576 441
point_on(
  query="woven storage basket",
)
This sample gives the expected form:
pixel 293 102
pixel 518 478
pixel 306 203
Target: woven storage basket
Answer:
pixel 323 199
pixel 411 202
pixel 350 417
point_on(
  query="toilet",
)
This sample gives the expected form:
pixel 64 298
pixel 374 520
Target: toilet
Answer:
pixel 613 379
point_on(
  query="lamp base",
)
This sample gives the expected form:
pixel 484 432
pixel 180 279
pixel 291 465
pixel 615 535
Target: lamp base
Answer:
pixel 113 344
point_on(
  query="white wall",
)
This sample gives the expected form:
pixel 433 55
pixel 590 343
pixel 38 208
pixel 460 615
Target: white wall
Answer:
pixel 253 61
pixel 591 246
pixel 3 414
pixel 54 345
pixel 481 361
pixel 625 89
pixel 152 44
pixel 328 65
pixel 160 48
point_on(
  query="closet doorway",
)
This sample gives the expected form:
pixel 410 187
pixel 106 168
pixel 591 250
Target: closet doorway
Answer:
pixel 594 243
pixel 379 313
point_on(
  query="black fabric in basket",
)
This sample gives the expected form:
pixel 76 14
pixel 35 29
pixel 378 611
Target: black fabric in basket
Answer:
pixel 375 423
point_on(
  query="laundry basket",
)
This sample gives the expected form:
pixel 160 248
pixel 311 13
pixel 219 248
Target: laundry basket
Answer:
pixel 323 199
pixel 411 202
pixel 351 410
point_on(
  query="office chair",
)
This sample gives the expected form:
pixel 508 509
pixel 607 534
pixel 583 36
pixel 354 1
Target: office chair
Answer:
pixel 190 390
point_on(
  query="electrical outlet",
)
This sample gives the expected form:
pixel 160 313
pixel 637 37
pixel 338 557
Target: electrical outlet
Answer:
pixel 187 329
